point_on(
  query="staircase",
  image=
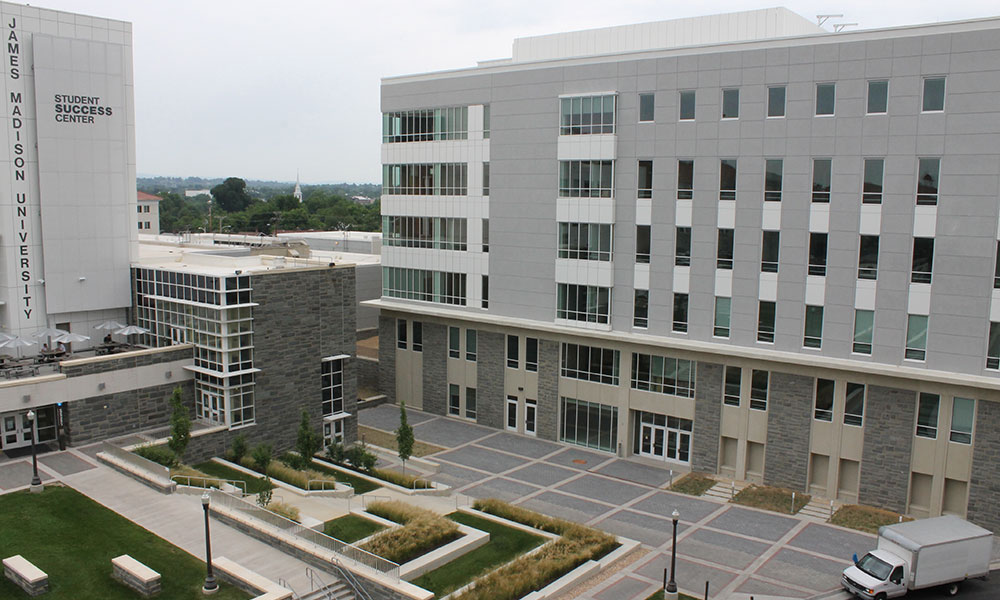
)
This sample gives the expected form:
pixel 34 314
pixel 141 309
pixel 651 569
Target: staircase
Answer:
pixel 725 490
pixel 819 509
pixel 334 591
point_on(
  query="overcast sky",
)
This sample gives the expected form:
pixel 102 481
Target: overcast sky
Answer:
pixel 258 90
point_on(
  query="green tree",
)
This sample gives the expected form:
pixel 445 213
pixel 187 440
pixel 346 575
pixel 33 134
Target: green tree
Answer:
pixel 308 441
pixel 180 425
pixel 261 455
pixel 404 436
pixel 231 195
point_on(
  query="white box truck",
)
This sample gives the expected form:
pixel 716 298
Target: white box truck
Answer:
pixel 942 551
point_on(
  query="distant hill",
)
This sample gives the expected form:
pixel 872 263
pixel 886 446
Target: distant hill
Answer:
pixel 256 188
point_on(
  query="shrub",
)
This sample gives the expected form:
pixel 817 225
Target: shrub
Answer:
pixel 293 461
pixel 308 441
pixel 180 425
pixel 361 459
pixel 335 452
pixel 404 436
pixel 239 447
pixel 401 479
pixel 265 495
pixel 421 532
pixel 284 472
pixel 157 454
pixel 284 509
pixel 262 456
pixel 396 511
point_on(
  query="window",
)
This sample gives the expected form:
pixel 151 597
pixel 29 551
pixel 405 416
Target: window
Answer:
pixel 470 345
pixel 730 104
pixel 486 235
pixel 772 180
pixel 685 179
pixel 682 253
pixel 513 352
pixel 442 233
pixel 454 400
pixel 436 179
pixel 769 251
pixel 687 105
pixel 585 241
pixel 854 405
pixel 486 291
pixel 642 243
pixel 927 181
pixel 923 260
pixel 868 257
pixel 426 286
pixel 825 98
pixel 587 363
pixel 586 178
pixel 813 336
pixel 426 125
pixel 927 415
pixel 470 403
pixel 722 308
pixel 401 333
pixel 916 337
pixel 823 410
pixel 486 179
pixel 332 390
pixel 645 184
pixel 640 309
pixel 531 354
pixel 138 209
pixel 727 179
pixel 724 252
pixel 993 347
pixel 663 375
pixel 878 97
pixel 588 424
pixel 864 324
pixel 418 337
pixel 996 269
pixel 680 313
pixel 731 390
pixel 645 108
pixel 765 321
pixel 817 253
pixel 933 94
pixel 758 390
pixel 872 191
pixel 963 413
pixel 454 339
pixel 486 121
pixel 821 179
pixel 776 101
pixel 585 115
pixel 583 303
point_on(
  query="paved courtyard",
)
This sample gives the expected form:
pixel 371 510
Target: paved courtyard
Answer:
pixel 738 550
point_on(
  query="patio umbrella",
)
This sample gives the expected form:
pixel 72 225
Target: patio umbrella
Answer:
pixel 111 324
pixel 5 336
pixel 49 332
pixel 131 330
pixel 16 343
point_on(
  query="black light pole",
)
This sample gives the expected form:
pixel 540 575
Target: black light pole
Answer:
pixel 36 481
pixel 672 585
pixel 210 586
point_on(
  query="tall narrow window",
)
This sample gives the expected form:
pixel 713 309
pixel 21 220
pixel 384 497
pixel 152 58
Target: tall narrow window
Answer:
pixel 727 179
pixel 513 358
pixel 868 257
pixel 826 94
pixel 722 307
pixel 854 404
pixel 685 179
pixel 772 180
pixel 531 354
pixel 923 260
pixel 645 108
pixel 823 409
pixel 401 333
pixel 486 179
pixel 878 97
pixel 821 179
pixel 680 313
pixel 864 324
pixel 916 337
pixel 486 121
pixel 486 291
pixel 682 254
pixel 486 235
pixel 470 345
pixel 765 321
pixel 817 253
pixel 871 193
pixel 418 337
pixel 724 251
pixel 996 269
pixel 963 415
pixel 758 389
pixel 454 339
pixel 642 243
pixel 640 307
pixel 731 104
pixel 770 242
pixel 687 105
pixel 731 391
pixel 776 101
pixel 470 403
pixel 927 415
pixel 645 183
pixel 933 94
pixel 927 180
pixel 813 336
pixel 454 399
pixel 993 347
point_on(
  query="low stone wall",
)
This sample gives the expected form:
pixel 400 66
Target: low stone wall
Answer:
pixel 113 415
pixel 135 575
pixel 27 576
pixel 126 360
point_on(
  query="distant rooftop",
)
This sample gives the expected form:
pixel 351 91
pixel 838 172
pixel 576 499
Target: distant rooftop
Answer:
pixel 196 260
pixel 144 197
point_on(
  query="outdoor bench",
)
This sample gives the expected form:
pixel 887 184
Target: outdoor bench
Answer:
pixel 135 575
pixel 27 576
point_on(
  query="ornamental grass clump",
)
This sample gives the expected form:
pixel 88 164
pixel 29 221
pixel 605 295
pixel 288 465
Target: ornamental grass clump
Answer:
pixel 421 531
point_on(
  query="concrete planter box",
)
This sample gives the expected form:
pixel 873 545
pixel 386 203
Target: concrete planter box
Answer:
pixel 341 491
pixel 436 489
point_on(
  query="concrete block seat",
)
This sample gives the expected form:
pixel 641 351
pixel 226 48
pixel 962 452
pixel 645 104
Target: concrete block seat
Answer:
pixel 135 575
pixel 27 576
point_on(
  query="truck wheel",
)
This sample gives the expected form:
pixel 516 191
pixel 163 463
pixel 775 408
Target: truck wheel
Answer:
pixel 880 597
pixel 952 589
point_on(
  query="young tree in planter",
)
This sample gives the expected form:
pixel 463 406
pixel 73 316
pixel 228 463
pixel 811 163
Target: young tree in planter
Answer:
pixel 308 441
pixel 180 426
pixel 404 436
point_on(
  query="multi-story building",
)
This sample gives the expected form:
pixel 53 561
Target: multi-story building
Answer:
pixel 739 244
pixel 147 213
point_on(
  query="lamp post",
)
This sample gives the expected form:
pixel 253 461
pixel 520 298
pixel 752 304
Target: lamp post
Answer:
pixel 36 481
pixel 210 586
pixel 671 591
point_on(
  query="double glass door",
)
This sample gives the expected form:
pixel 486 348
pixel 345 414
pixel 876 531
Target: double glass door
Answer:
pixel 16 429
pixel 663 438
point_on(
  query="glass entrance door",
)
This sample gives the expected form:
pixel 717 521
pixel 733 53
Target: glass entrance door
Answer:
pixel 512 413
pixel 662 437
pixel 15 430
pixel 652 440
pixel 530 409
pixel 211 407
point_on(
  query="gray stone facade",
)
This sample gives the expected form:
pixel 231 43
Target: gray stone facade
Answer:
pixel 984 487
pixel 435 367
pixel 789 408
pixel 113 415
pixel 387 357
pixel 490 365
pixel 548 390
pixel 707 417
pixel 368 373
pixel 119 362
pixel 885 458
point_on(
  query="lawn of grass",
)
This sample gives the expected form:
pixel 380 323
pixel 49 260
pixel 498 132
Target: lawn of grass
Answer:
pixel 387 440
pixel 73 539
pixel 361 485
pixel 771 498
pixel 255 485
pixel 506 543
pixel 351 528
pixel 693 484
pixel 864 518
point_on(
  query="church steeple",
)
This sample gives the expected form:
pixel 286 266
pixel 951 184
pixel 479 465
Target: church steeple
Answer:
pixel 298 190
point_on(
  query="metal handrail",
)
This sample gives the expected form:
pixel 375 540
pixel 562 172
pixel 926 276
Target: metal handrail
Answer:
pixel 309 483
pixel 236 483
pixel 348 578
pixel 284 583
pixel 427 484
